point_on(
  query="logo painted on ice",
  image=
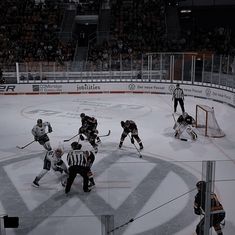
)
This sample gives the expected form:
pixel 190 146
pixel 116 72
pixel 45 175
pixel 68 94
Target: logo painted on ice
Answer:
pixel 208 92
pixel 171 88
pixel 131 86
pixel 57 200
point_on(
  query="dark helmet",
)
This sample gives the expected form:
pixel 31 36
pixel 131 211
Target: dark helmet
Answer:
pixel 201 186
pixel 39 122
pixel 76 146
pixel 185 114
pixel 82 115
pixel 128 123
pixel 177 85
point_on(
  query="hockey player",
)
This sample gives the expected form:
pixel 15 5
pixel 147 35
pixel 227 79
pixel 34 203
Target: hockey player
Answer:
pixel 53 159
pixel 79 163
pixel 40 135
pixel 185 122
pixel 216 210
pixel 129 126
pixel 88 128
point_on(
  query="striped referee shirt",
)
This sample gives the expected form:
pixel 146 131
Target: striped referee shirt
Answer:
pixel 76 157
pixel 178 93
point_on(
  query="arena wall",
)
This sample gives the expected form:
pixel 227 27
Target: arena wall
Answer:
pixel 217 94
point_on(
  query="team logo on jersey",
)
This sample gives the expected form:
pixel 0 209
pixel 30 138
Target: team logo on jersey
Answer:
pixel 171 88
pixel 131 86
pixel 208 92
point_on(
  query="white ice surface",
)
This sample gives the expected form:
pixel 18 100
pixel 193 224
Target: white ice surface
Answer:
pixel 123 182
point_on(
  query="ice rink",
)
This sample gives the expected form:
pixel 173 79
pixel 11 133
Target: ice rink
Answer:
pixel 156 191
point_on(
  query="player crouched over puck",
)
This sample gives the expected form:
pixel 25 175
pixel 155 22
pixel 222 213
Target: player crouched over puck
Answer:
pixel 53 160
pixel 185 122
pixel 80 162
pixel 130 126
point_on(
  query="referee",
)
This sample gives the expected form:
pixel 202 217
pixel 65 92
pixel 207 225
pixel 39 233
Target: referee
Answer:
pixel 178 96
pixel 77 163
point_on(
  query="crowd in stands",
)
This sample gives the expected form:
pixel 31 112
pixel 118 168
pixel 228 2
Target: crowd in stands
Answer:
pixel 29 31
pixel 139 27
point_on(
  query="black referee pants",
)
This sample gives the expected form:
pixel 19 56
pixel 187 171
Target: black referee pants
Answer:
pixel 181 104
pixel 73 171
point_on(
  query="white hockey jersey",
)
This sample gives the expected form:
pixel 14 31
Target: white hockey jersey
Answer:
pixel 38 131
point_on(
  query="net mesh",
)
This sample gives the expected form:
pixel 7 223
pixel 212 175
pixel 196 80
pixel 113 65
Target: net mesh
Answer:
pixel 206 122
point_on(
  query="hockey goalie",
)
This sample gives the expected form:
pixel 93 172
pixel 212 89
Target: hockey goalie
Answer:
pixel 185 122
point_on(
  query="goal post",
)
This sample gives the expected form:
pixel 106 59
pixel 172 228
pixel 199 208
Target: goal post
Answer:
pixel 206 122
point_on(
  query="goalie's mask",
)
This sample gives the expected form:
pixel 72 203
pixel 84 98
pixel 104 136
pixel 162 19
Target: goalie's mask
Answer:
pixel 82 115
pixel 76 146
pixel 185 115
pixel 59 152
pixel 201 186
pixel 39 122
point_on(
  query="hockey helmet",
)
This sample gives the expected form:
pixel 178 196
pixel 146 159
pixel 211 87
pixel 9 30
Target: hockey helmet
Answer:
pixel 76 146
pixel 39 122
pixel 177 85
pixel 201 186
pixel 82 115
pixel 185 114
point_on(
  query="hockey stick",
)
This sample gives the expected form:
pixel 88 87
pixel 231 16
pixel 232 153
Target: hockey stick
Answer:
pixel 140 155
pixel 80 133
pixel 100 136
pixel 71 137
pixel 104 135
pixel 25 145
pixel 182 139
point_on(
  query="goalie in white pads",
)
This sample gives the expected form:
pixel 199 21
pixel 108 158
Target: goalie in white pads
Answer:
pixel 185 122
pixel 40 135
pixel 53 159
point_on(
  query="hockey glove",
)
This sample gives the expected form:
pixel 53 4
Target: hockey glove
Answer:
pixel 82 137
pixel 49 129
pixel 36 138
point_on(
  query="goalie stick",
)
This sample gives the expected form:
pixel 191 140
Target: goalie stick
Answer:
pixel 97 136
pixel 182 139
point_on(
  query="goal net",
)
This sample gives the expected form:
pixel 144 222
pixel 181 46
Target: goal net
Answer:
pixel 206 122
